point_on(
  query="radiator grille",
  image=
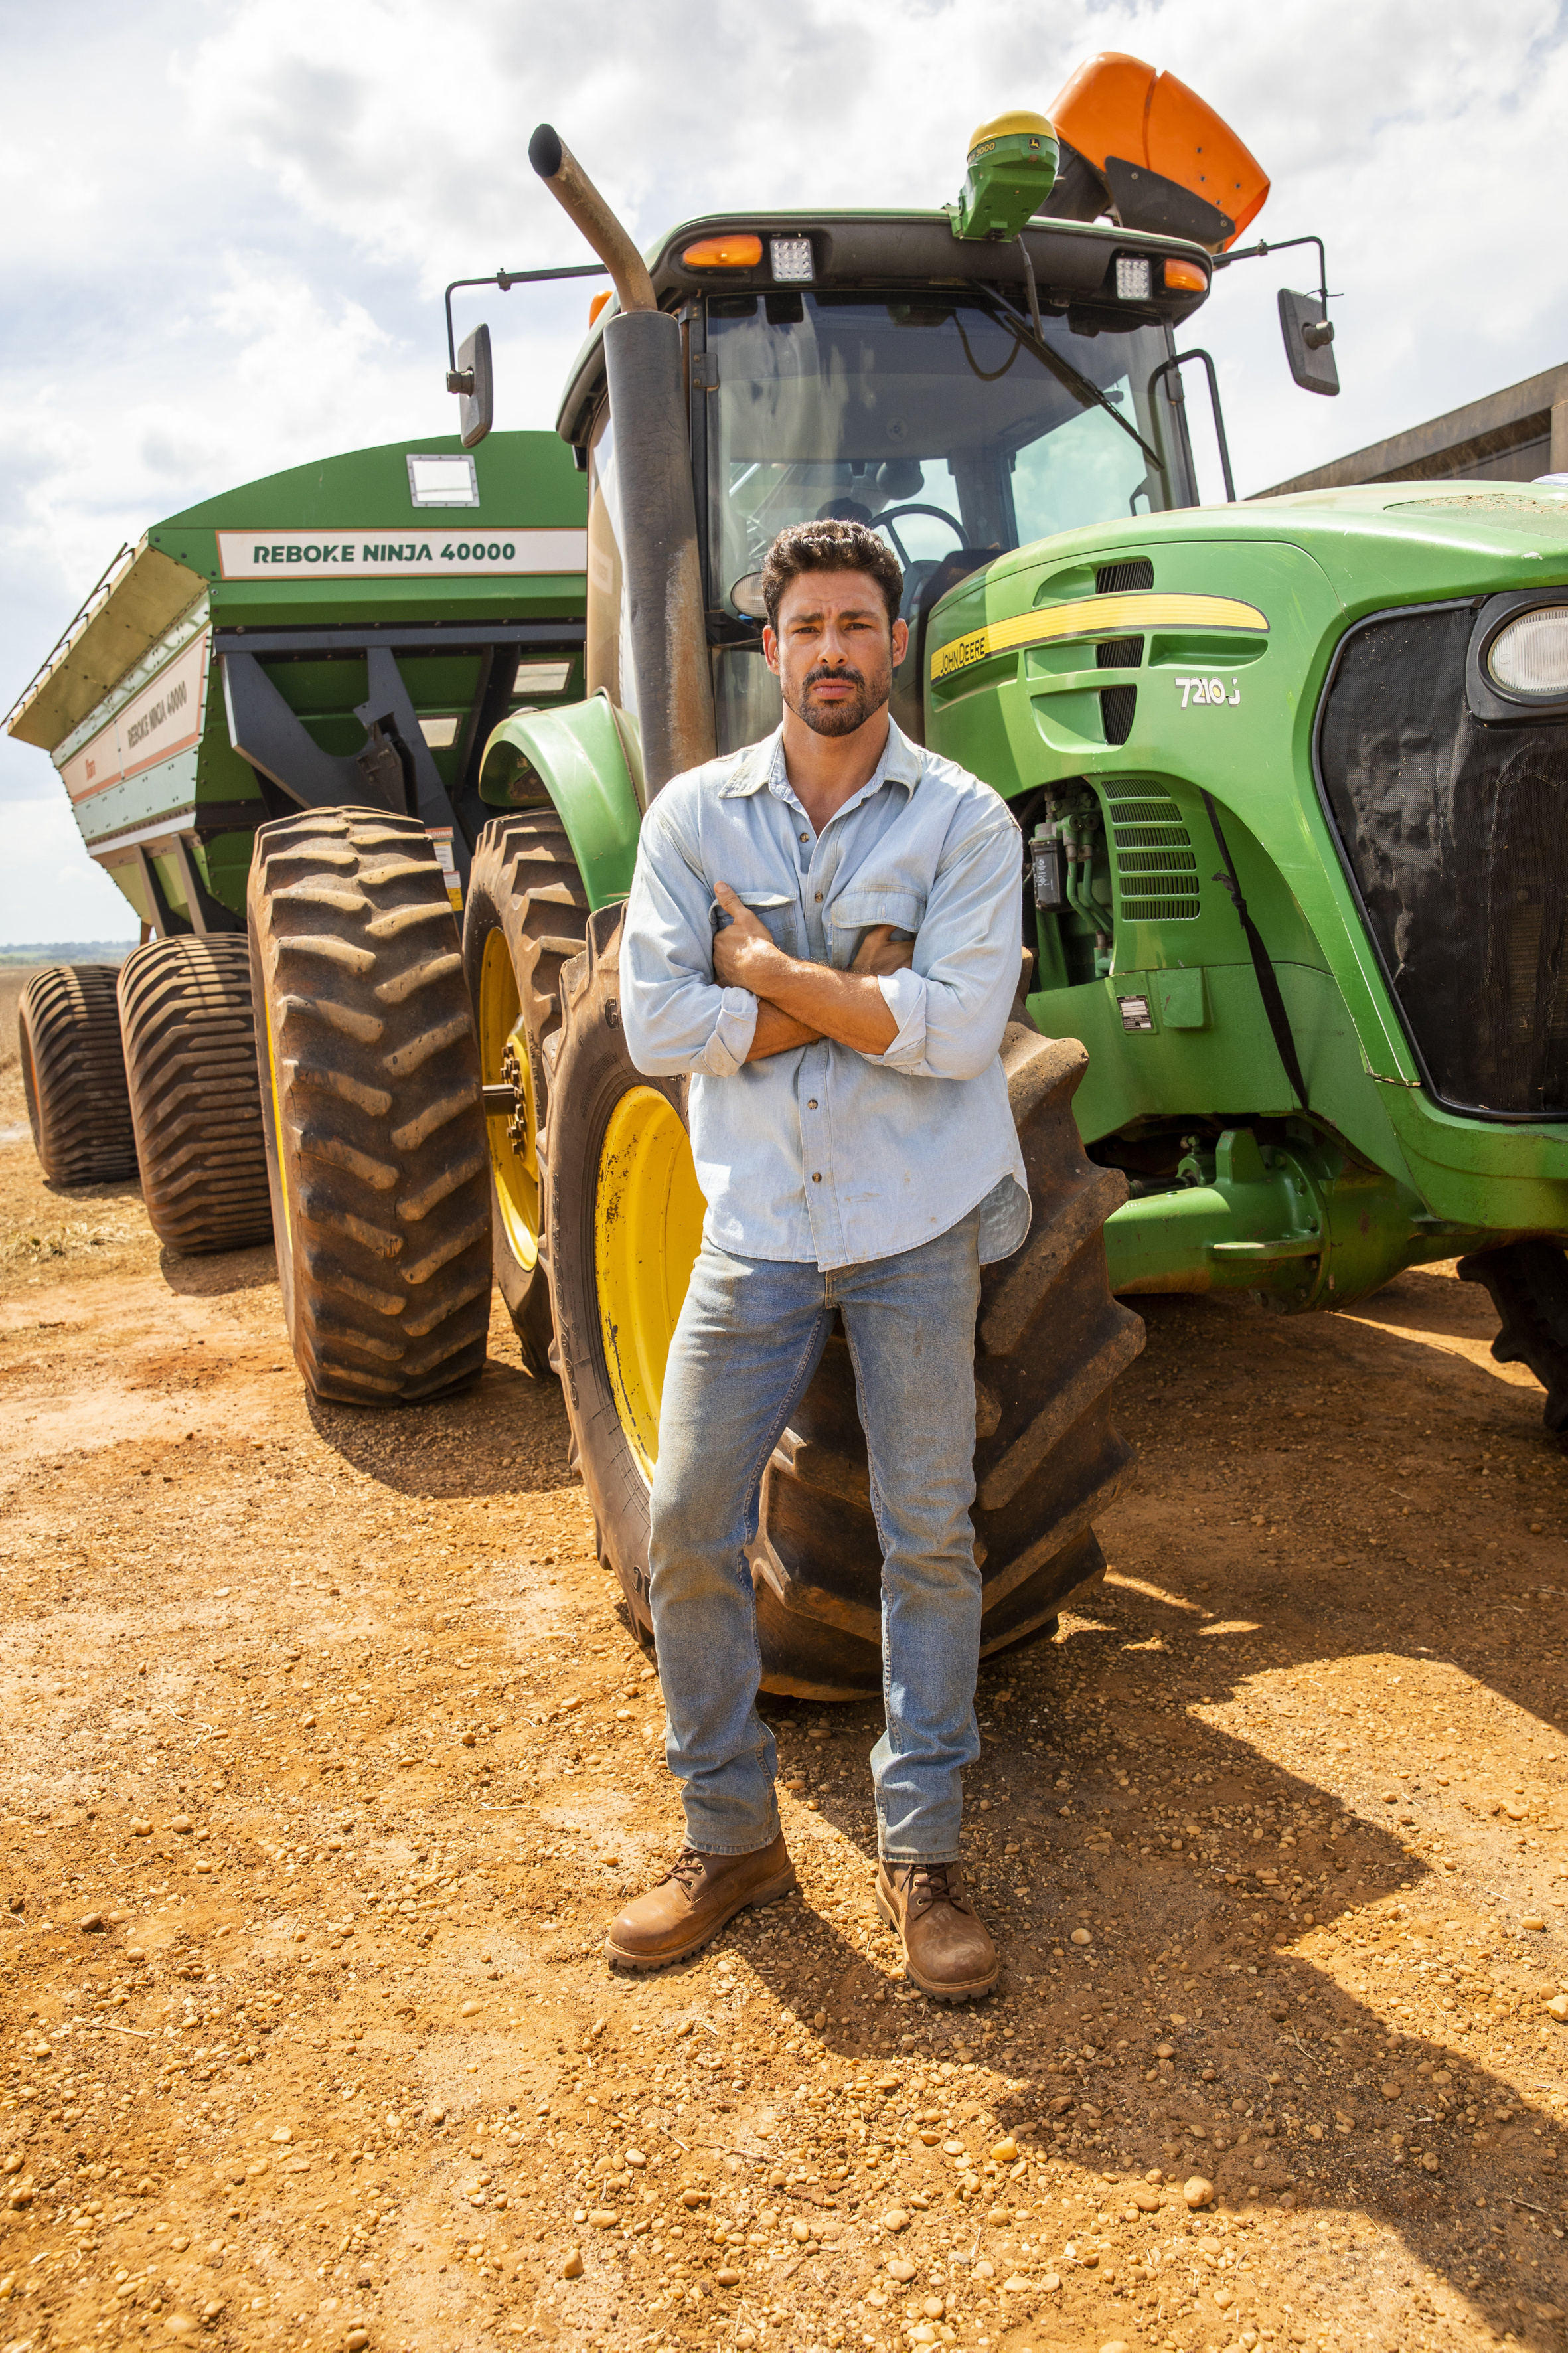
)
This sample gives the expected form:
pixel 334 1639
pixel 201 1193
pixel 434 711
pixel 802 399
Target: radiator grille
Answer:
pixel 1116 579
pixel 1156 867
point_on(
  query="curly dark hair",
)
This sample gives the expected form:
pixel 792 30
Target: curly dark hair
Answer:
pixel 830 545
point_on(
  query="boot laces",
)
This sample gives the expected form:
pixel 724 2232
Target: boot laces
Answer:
pixel 929 1883
pixel 688 1869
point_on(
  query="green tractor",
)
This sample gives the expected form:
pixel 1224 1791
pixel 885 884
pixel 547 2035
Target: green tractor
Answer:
pixel 1292 1011
pixel 351 630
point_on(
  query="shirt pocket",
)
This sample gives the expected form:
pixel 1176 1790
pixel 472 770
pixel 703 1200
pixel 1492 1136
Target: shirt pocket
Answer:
pixel 859 906
pixel 780 913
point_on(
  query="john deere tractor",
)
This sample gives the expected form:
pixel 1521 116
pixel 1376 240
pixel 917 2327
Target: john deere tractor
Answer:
pixel 1293 1002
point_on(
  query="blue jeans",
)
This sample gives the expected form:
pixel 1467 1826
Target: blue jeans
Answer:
pixel 748 1341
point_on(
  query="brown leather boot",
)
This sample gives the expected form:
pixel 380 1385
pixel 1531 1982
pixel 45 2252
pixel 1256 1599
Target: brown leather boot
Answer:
pixel 947 1950
pixel 692 1902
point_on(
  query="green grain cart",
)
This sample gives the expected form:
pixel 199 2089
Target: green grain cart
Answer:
pixel 349 631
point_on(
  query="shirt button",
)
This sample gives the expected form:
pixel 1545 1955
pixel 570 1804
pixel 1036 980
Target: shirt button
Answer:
pixel 806 837
pixel 812 1105
pixel 819 898
pixel 816 1176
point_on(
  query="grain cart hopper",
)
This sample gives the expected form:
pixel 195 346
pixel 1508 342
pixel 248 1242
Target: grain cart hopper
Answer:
pixel 351 629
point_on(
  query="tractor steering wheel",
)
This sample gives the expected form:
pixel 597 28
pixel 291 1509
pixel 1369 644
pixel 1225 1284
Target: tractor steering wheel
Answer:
pixel 913 506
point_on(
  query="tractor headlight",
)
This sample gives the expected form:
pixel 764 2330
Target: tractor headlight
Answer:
pixel 1529 656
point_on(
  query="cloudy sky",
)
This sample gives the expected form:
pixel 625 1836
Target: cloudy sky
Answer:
pixel 223 231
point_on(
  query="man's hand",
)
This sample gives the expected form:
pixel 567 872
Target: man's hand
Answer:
pixel 744 950
pixel 880 951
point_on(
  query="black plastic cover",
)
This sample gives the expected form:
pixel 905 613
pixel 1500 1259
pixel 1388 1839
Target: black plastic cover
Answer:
pixel 1456 835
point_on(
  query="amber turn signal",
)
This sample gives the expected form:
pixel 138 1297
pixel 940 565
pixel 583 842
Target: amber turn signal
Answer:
pixel 723 253
pixel 598 304
pixel 1185 277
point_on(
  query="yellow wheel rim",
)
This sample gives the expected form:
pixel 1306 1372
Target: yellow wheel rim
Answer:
pixel 504 1060
pixel 648 1225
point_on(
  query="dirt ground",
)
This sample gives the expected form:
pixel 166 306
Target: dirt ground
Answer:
pixel 326 1759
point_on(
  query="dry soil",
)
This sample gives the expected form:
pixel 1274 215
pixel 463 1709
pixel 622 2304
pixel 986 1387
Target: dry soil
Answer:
pixel 327 1758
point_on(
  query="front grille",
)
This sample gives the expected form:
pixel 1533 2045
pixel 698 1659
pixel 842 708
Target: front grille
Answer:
pixel 1156 869
pixel 1119 704
pixel 1456 836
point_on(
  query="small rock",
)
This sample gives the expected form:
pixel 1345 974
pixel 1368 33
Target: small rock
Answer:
pixel 1558 2006
pixel 573 2267
pixel 1051 2282
pixel 1019 2285
pixel 1005 2150
pixel 728 2278
pixel 1164 2049
pixel 145 1829
pixel 438 2115
pixel 1197 2191
pixel 601 2217
pixel 357 2339
pixel 1533 1920
pixel 468 2009
pixel 181 1822
pixel 984 2271
pixel 1081 1937
pixel 181 2323
pixel 636 2158
pixel 900 2268
pixel 1114 2345
pixel 694 2198
pixel 92 1921
pixel 1389 2091
pixel 799 2232
pixel 468 1739
pixel 895 2219
pixel 282 2133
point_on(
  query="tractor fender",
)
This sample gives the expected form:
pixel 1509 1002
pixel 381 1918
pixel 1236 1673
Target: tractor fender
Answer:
pixel 585 761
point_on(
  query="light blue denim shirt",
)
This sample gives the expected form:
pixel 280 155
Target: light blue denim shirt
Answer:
pixel 822 1153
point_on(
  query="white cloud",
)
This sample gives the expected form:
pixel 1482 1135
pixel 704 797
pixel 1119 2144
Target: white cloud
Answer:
pixel 226 256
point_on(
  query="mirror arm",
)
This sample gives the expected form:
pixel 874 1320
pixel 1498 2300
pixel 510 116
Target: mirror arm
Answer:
pixel 1282 244
pixel 461 380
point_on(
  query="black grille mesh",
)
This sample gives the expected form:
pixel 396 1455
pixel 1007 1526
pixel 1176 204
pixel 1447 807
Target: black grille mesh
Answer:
pixel 1115 579
pixel 1457 837
pixel 1156 868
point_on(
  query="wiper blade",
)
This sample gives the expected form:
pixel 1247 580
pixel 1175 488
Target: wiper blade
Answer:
pixel 1072 378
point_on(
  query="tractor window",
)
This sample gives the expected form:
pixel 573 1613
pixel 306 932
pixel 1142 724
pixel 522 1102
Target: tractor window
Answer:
pixel 932 417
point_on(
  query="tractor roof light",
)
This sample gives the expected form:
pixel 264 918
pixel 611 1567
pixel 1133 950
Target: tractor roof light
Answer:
pixel 1528 657
pixel 1012 170
pixel 791 260
pixel 1185 277
pixel 730 252
pixel 1134 277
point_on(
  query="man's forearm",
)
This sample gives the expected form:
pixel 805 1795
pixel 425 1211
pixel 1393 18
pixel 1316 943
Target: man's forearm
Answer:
pixel 777 1032
pixel 848 1007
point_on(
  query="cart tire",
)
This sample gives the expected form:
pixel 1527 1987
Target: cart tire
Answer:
pixel 523 922
pixel 1529 1287
pixel 371 1109
pixel 73 1074
pixel 622 1225
pixel 195 1103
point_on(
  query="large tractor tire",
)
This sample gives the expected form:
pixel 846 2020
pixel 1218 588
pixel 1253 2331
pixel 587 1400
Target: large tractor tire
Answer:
pixel 524 920
pixel 196 1101
pixel 73 1075
pixel 1529 1287
pixel 624 1220
pixel 370 1107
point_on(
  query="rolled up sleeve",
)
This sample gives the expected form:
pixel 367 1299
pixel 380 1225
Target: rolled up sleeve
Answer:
pixel 676 1016
pixel 952 1005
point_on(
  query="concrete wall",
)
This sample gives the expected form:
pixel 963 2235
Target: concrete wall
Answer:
pixel 1509 437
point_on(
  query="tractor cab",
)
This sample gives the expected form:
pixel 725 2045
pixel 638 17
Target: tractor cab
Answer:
pixel 877 369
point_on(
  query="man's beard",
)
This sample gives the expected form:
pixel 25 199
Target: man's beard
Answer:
pixel 843 718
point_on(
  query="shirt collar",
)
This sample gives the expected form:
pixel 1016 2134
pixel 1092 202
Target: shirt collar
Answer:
pixel 763 764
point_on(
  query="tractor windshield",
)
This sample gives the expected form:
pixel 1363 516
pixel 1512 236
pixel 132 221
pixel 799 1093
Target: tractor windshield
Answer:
pixel 935 417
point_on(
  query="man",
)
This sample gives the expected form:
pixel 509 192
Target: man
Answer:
pixel 853 1141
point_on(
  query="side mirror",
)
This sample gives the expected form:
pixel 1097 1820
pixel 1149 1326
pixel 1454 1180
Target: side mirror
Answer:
pixel 474 379
pixel 1308 342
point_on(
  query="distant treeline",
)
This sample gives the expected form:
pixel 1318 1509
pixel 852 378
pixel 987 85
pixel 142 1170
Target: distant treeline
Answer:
pixel 68 952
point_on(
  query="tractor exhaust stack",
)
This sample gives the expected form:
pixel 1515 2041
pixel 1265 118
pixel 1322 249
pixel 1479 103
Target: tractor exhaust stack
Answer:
pixel 659 555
